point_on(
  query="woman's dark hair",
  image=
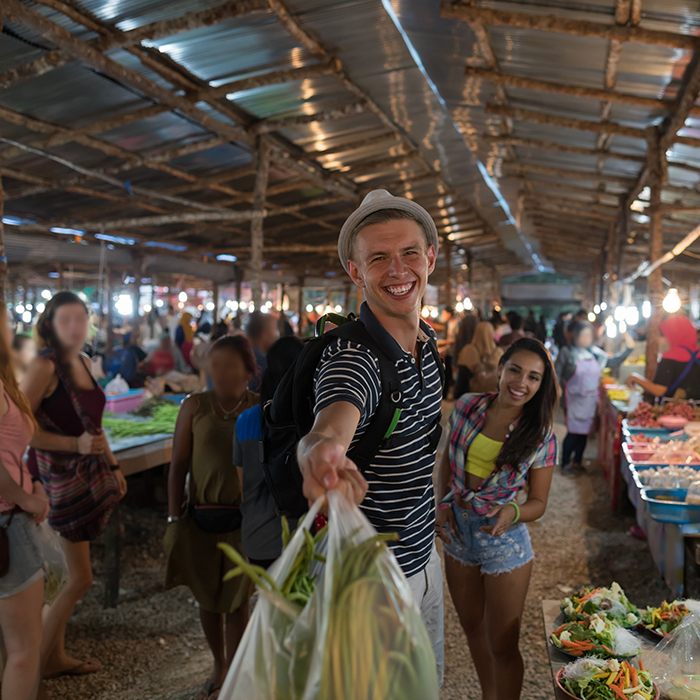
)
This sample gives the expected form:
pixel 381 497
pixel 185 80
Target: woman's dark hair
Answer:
pixel 280 357
pixel 219 330
pixel 240 345
pixel 45 335
pixel 18 341
pixel 538 413
pixel 577 327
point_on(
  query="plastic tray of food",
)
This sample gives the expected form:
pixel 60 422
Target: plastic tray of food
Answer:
pixel 669 506
pixel 636 454
pixel 634 429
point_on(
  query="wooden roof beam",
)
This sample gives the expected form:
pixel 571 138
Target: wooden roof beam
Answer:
pixel 566 173
pixel 607 95
pixel 562 25
pixel 267 125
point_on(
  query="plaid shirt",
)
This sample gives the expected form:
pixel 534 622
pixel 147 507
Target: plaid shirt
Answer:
pixel 466 422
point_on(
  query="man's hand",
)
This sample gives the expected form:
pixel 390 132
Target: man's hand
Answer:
pixel 325 467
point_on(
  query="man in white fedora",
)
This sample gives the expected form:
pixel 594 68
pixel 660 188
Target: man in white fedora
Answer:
pixel 388 246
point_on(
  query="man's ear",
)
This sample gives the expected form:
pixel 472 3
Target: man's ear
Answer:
pixel 432 257
pixel 355 276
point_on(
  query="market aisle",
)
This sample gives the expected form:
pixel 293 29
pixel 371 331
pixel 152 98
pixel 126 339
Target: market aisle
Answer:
pixel 152 645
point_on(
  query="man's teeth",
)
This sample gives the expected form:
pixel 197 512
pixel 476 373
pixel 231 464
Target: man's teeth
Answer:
pixel 398 291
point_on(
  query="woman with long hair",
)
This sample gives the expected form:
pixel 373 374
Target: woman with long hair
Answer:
pixel 202 447
pixel 498 443
pixel 82 488
pixel 477 362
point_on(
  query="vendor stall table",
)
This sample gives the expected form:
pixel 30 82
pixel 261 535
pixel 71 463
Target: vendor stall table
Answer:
pixel 134 454
pixel 552 618
pixel 612 413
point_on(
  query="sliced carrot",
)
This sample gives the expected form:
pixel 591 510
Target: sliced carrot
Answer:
pixel 633 676
pixel 617 690
pixel 610 651
pixel 641 666
pixel 560 629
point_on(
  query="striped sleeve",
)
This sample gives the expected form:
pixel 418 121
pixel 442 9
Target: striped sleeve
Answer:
pixel 348 372
pixel 548 453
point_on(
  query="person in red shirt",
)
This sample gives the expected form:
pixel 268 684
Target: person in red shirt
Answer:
pixel 162 359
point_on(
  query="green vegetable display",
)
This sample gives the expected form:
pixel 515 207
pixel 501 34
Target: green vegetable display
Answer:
pixel 163 421
pixel 147 407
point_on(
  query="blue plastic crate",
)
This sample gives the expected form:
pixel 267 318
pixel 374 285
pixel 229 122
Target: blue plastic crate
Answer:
pixel 635 429
pixel 676 511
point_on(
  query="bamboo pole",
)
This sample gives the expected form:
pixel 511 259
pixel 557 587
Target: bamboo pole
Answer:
pixel 657 161
pixel 256 224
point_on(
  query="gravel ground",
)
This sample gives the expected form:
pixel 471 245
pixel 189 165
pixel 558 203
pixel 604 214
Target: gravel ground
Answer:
pixel 152 647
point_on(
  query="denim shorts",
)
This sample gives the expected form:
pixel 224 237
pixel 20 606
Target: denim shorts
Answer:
pixel 493 555
pixel 26 561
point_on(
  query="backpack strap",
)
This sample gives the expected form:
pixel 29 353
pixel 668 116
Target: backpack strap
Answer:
pixel 388 413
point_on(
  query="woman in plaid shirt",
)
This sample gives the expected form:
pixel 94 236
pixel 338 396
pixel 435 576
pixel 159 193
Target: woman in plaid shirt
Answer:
pixel 498 444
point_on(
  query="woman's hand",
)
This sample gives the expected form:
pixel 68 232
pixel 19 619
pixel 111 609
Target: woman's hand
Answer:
pixel 89 444
pixel 506 514
pixel 632 381
pixel 36 507
pixel 121 483
pixel 445 524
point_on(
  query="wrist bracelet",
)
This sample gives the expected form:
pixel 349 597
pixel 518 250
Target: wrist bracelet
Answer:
pixel 114 467
pixel 517 512
pixel 444 506
pixel 35 479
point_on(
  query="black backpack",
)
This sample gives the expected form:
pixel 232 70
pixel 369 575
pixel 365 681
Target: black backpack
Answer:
pixel 289 416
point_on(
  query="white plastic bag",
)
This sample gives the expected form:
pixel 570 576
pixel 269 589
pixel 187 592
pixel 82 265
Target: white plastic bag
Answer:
pixel 359 637
pixel 675 661
pixel 55 563
pixel 117 386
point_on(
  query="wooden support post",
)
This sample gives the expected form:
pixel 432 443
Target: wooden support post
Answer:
pixel 302 308
pixel 215 299
pixel 657 174
pixel 256 224
pixel 110 312
pixel 610 261
pixel 449 300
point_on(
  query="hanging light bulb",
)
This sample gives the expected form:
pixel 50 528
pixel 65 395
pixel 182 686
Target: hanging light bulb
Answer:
pixel 611 330
pixel 623 327
pixel 672 302
pixel 632 316
pixel 468 304
pixel 603 306
pixel 596 309
pixel 620 313
pixel 459 307
pixel 425 312
pixel 591 316
pixel 646 309
pixel 309 308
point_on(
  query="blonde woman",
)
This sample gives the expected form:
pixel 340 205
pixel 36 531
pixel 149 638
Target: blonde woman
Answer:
pixel 478 361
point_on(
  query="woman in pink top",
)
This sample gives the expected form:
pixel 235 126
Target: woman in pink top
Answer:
pixel 23 504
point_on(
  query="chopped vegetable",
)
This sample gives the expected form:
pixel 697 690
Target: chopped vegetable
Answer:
pixel 593 679
pixel 163 421
pixel 611 603
pixel 664 619
pixel 596 636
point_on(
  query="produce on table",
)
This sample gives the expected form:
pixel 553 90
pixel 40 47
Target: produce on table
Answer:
pixel 163 421
pixel 595 636
pixel 646 415
pixel 610 603
pixel 670 452
pixel 147 407
pixel 664 619
pixel 590 679
pixel 618 394
pixel 670 477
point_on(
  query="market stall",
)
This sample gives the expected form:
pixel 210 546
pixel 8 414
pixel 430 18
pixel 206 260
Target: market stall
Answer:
pixel 613 410
pixel 140 440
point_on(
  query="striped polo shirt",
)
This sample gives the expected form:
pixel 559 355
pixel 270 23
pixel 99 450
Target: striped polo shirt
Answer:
pixel 400 496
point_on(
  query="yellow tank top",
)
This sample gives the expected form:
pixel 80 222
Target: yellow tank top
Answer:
pixel 482 455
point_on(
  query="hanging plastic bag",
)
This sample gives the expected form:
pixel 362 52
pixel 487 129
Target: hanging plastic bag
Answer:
pixel 117 386
pixel 675 661
pixel 360 636
pixel 55 563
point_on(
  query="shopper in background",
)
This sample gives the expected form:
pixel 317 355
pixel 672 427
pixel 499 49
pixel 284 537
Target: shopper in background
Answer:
pixel 262 331
pixel 165 358
pixel 530 324
pixel 465 332
pixel 500 325
pixel 262 527
pixel 678 372
pixel 23 353
pixel 82 488
pixel 541 332
pixel 22 504
pixel 516 324
pixel 202 447
pixel 559 332
pixel 184 336
pixel 171 322
pixel 130 362
pixel 579 369
pixel 477 363
pixel 451 337
pixel 499 444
